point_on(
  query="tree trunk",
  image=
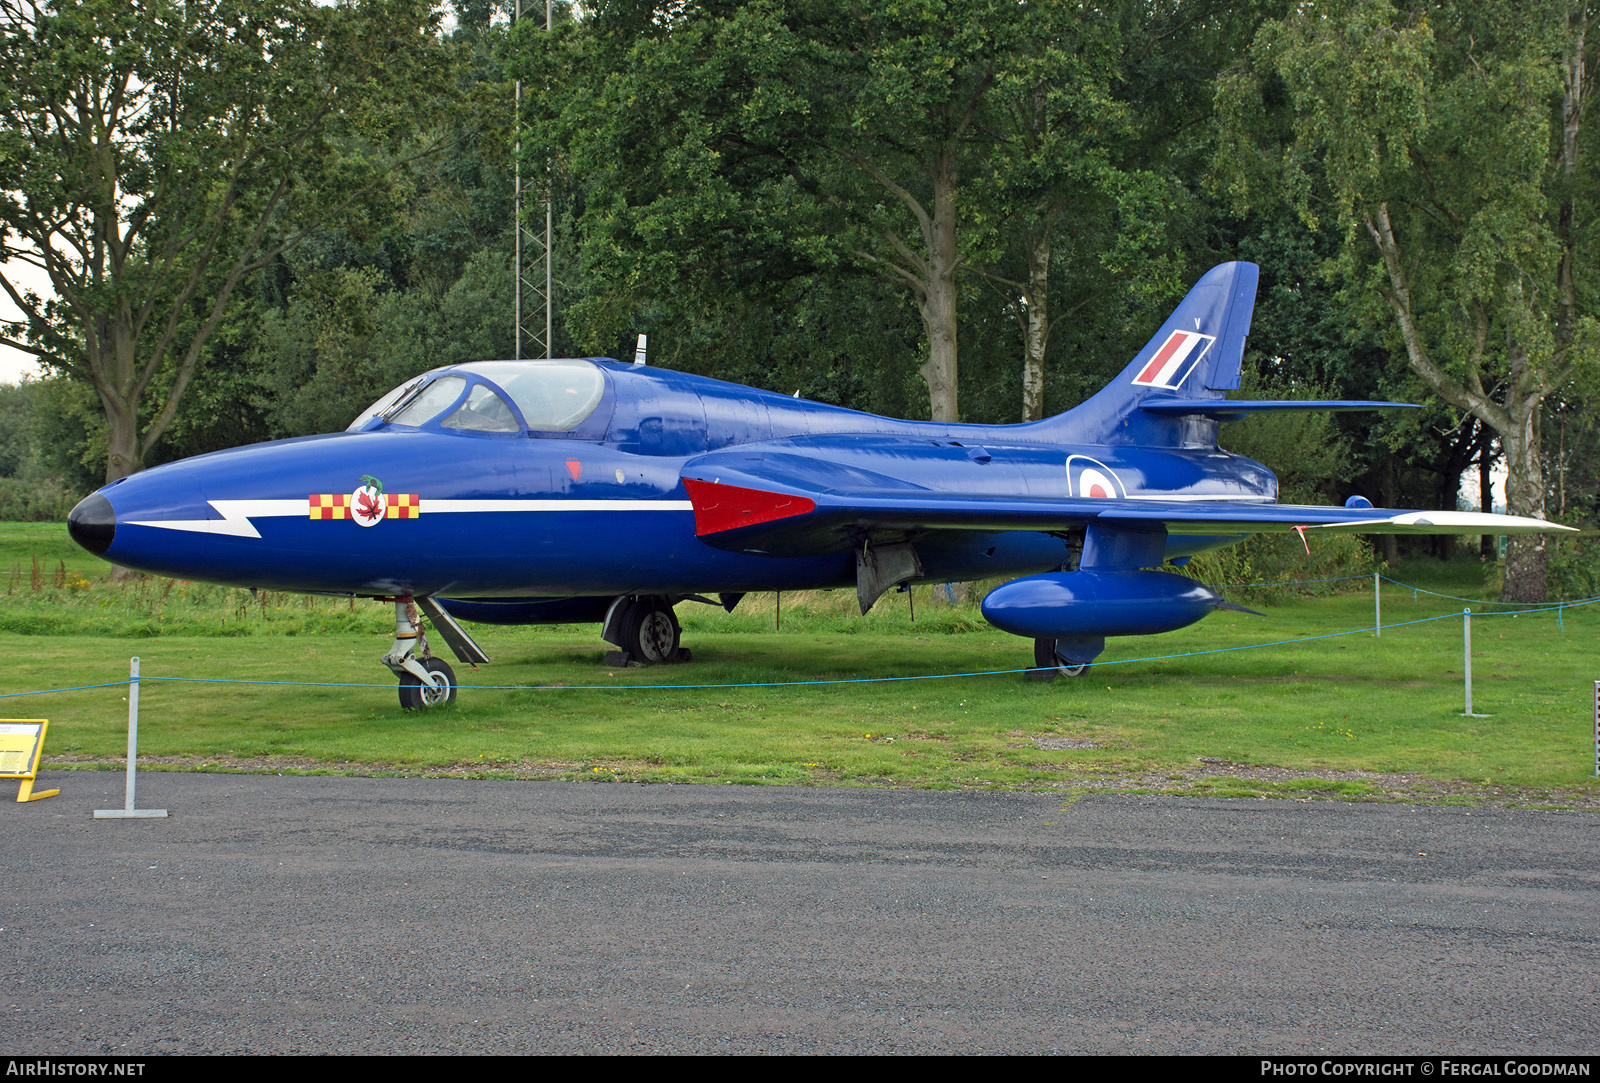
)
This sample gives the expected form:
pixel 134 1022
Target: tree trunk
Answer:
pixel 122 437
pixel 937 303
pixel 1515 420
pixel 1036 335
pixel 112 361
pixel 1526 557
pixel 1487 551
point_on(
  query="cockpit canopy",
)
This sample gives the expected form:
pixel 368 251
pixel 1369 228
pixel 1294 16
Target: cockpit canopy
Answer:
pixel 493 396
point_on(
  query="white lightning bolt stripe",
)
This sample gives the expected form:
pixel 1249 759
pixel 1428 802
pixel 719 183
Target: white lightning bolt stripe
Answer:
pixel 236 514
pixel 431 507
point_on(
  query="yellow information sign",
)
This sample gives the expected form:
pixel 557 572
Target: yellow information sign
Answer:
pixel 21 742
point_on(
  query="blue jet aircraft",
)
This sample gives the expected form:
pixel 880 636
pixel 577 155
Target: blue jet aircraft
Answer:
pixel 589 490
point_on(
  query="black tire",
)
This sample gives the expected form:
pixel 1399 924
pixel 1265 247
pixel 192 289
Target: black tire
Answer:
pixel 651 632
pixel 414 696
pixel 1050 665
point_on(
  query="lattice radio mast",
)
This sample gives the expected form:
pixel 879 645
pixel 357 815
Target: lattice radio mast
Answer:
pixel 533 249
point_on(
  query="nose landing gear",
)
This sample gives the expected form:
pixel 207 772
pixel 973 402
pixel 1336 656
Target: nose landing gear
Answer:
pixel 425 681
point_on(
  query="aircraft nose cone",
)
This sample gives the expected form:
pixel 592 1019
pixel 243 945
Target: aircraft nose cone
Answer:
pixel 93 524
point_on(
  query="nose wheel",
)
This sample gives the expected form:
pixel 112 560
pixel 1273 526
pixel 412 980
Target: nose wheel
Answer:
pixel 424 681
pixel 414 695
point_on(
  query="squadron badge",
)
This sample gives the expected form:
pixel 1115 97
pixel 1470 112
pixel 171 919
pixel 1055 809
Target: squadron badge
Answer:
pixel 368 505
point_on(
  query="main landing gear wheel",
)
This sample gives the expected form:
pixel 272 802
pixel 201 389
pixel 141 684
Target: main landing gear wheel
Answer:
pixel 651 632
pixel 1050 663
pixel 414 695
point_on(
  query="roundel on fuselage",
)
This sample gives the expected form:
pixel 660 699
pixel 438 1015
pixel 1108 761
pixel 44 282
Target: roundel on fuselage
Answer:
pixel 1091 479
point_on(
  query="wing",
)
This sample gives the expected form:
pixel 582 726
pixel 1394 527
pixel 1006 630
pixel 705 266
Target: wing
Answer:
pixel 798 505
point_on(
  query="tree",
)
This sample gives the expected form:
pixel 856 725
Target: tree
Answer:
pixel 350 313
pixel 155 154
pixel 1055 185
pixel 1447 140
pixel 726 150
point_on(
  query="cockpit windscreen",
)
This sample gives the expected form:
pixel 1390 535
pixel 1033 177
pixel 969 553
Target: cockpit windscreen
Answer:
pixel 554 396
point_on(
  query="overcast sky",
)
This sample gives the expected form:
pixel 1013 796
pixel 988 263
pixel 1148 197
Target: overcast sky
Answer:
pixel 14 363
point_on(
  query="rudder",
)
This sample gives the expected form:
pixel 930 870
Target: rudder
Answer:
pixel 1196 354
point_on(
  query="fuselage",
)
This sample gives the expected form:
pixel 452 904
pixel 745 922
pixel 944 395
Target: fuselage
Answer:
pixel 477 500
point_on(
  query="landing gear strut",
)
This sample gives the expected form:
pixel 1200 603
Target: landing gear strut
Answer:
pixel 424 681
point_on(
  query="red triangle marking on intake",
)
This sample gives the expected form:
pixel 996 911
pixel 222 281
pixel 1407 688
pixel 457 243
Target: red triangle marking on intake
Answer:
pixel 720 507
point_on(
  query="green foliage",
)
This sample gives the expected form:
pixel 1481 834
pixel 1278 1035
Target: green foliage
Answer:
pixel 35 501
pixel 226 131
pixel 346 337
pixel 1274 567
pixel 71 433
pixel 716 178
pixel 18 429
pixel 1447 142
pixel 1310 457
pixel 39 477
pixel 1574 565
pixel 362 306
pixel 738 173
pixel 1303 447
pixel 318 360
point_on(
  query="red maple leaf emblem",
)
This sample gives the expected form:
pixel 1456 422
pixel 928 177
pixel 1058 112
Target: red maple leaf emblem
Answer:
pixel 369 507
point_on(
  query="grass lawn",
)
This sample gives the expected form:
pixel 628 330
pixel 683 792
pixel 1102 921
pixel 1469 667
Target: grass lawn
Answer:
pixel 1349 716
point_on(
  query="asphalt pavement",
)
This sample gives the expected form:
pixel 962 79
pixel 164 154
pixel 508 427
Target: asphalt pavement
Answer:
pixel 273 914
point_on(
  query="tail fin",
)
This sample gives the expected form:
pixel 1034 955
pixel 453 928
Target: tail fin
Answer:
pixel 1195 355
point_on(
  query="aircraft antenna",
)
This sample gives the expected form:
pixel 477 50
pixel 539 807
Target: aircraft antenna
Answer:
pixel 533 247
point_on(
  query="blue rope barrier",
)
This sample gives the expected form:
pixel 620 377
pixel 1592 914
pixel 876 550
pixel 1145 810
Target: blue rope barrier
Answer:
pixel 617 687
pixel 843 680
pixel 49 691
pixel 1544 608
pixel 1556 609
pixel 1475 601
pixel 759 684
